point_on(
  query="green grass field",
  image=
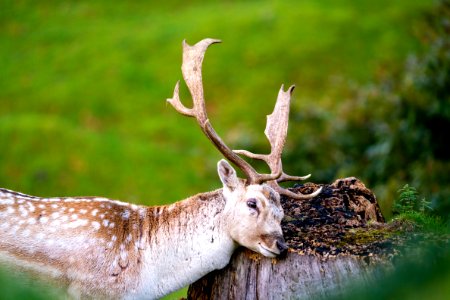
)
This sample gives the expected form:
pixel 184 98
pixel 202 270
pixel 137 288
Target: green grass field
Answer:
pixel 83 85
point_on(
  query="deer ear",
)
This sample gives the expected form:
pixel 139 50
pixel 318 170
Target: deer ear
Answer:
pixel 227 175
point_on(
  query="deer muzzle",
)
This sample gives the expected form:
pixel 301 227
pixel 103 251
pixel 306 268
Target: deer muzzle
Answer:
pixel 274 244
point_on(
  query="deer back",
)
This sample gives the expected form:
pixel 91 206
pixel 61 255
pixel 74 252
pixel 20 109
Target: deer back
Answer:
pixel 69 238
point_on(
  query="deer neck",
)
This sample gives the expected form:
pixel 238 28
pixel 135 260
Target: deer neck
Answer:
pixel 185 241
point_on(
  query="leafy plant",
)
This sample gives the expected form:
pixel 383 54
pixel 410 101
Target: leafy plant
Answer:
pixel 411 207
pixel 409 201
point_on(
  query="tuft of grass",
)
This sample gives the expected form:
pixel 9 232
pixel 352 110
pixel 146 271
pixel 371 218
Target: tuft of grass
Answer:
pixel 425 222
pixel 409 206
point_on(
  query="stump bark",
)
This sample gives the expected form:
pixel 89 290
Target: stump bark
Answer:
pixel 335 238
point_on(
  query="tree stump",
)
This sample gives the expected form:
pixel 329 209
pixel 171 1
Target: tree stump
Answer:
pixel 333 238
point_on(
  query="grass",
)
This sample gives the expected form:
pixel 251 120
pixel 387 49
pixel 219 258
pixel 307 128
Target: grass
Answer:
pixel 425 222
pixel 83 85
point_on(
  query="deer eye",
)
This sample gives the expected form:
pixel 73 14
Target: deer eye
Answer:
pixel 252 203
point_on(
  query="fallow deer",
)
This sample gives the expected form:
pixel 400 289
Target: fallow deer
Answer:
pixel 105 248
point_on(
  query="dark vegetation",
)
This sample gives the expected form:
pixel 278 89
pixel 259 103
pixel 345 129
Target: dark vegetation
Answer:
pixel 394 130
pixel 336 222
pixel 418 244
pixel 346 220
pixel 83 85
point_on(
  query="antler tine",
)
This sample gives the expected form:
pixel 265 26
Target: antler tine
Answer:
pixel 276 132
pixel 293 195
pixel 192 74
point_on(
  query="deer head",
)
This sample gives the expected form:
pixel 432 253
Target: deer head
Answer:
pixel 253 213
pixel 253 203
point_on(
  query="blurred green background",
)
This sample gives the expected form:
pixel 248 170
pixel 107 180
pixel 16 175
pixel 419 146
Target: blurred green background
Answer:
pixel 83 87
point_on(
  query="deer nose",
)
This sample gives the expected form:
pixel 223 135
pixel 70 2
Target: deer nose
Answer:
pixel 281 245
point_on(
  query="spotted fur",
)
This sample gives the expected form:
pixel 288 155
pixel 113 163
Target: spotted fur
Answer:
pixel 106 248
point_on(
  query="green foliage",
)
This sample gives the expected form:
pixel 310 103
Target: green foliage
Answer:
pixel 425 222
pixel 411 207
pixel 396 130
pixel 83 87
pixel 431 273
pixel 14 286
pixel 409 201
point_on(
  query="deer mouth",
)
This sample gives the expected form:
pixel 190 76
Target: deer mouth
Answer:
pixel 266 251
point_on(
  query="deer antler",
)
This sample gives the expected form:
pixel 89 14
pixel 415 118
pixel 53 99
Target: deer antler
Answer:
pixel 192 74
pixel 276 128
pixel 276 132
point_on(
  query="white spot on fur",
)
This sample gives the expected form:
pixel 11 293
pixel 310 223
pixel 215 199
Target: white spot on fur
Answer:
pixel 77 223
pixel 55 206
pixel 30 207
pixel 123 254
pixel 74 216
pixel 94 212
pixel 23 211
pixel 83 211
pixel 41 206
pixel 128 239
pixel 43 220
pixel 96 225
pixel 105 222
pixel 126 214
pixel 10 210
pixel 71 209
pixel 55 215
pixel 14 229
pixel 111 225
pixel 54 224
